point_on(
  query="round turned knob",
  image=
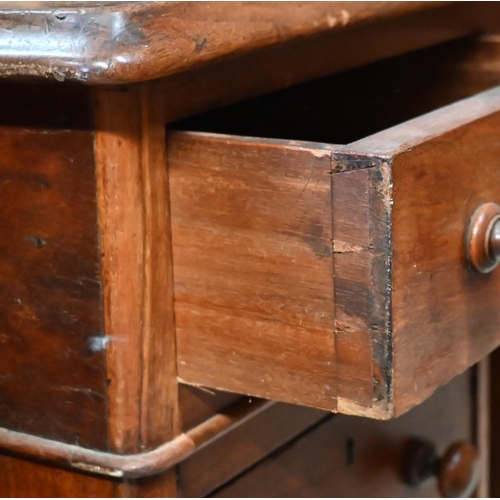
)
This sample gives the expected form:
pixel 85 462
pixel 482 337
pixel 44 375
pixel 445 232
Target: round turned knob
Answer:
pixel 483 238
pixel 457 471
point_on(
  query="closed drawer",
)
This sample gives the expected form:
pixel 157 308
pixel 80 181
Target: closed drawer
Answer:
pixel 348 456
pixel 335 276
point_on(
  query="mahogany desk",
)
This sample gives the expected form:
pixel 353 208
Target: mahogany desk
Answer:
pixel 238 251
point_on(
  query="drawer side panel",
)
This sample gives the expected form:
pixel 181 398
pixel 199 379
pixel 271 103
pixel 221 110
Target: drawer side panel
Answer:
pixel 253 272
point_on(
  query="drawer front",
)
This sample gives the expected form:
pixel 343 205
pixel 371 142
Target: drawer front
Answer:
pixel 434 315
pixel 349 456
pixel 335 276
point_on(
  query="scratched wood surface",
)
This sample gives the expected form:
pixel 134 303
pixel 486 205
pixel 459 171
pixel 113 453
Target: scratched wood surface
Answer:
pixel 463 327
pixel 52 365
pixel 132 192
pixel 444 315
pixel 360 246
pixel 111 42
pixel 384 358
pixel 253 281
pixel 137 273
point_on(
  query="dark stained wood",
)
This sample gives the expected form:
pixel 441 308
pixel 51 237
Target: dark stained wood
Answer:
pixel 493 418
pixel 253 277
pixel 307 321
pixel 135 244
pixel 459 472
pixel 481 390
pixel 21 478
pixel 131 42
pixel 357 286
pixel 135 465
pixel 481 242
pixel 356 457
pixel 234 451
pixel 50 289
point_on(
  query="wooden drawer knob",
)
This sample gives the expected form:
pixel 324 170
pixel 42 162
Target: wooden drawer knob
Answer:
pixel 457 470
pixel 483 238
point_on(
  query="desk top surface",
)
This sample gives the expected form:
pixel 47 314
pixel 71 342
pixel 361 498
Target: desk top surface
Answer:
pixel 112 42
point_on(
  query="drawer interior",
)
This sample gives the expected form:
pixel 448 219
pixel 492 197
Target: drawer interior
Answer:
pixel 348 106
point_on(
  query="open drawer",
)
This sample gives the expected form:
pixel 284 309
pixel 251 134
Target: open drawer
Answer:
pixel 336 276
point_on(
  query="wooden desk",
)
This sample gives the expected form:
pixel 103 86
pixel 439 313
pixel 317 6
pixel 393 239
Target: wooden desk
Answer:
pixel 178 307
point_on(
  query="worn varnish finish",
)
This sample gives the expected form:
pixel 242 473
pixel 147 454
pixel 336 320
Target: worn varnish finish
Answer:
pixel 135 465
pixel 135 246
pixel 388 266
pixel 253 277
pixel 361 246
pixel 222 435
pixel 354 457
pixel 348 353
pixel 131 42
pixel 436 184
pixel 51 314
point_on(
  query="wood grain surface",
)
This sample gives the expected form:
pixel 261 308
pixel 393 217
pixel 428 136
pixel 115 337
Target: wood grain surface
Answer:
pixel 444 314
pixel 131 42
pixel 253 277
pixel 135 244
pixel 361 245
pixel 384 186
pixel 51 313
pixel 284 283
